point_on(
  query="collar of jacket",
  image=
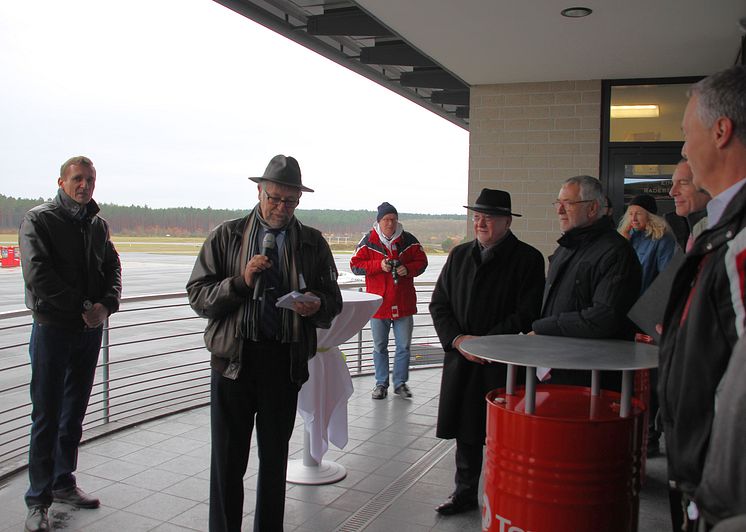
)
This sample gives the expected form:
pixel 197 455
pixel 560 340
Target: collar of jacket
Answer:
pixel 504 244
pixel 693 217
pixel 72 208
pixel 730 224
pixel 580 235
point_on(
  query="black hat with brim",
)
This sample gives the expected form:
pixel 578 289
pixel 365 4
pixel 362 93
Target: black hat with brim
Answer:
pixel 283 171
pixel 495 202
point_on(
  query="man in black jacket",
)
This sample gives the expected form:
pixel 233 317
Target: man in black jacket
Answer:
pixel 690 203
pixel 491 285
pixel 594 276
pixel 73 283
pixel 259 352
pixel 705 314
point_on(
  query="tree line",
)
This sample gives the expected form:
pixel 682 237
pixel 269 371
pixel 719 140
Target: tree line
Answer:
pixel 136 220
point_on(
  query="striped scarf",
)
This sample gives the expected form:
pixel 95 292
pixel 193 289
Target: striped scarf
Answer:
pixel 289 320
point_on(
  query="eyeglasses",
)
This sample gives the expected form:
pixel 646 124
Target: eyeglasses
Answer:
pixel 567 203
pixel 486 218
pixel 290 203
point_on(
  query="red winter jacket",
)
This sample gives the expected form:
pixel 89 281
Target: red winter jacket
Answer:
pixel 399 300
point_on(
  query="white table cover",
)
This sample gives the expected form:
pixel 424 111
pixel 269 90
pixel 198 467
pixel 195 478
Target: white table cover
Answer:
pixel 322 401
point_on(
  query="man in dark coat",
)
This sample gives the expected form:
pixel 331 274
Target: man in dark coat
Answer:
pixel 705 314
pixel 691 206
pixel 491 285
pixel 73 283
pixel 259 350
pixel 594 276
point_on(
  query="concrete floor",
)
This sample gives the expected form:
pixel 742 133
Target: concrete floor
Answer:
pixel 155 476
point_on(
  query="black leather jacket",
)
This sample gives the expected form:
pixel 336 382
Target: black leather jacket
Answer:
pixel 703 321
pixel 67 259
pixel 594 278
pixel 217 290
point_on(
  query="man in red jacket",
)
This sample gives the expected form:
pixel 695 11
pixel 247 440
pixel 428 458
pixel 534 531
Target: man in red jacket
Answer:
pixel 390 258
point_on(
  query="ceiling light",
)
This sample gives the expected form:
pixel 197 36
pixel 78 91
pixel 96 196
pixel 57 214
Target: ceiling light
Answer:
pixel 635 111
pixel 576 12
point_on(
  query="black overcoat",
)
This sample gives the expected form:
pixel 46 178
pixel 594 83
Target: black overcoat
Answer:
pixel 500 296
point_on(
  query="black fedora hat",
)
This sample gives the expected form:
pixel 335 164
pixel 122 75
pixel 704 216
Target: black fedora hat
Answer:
pixel 492 201
pixel 283 171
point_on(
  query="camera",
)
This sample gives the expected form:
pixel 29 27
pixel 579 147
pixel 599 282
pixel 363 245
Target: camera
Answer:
pixel 394 263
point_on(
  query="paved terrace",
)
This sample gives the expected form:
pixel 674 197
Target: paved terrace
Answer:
pixel 155 476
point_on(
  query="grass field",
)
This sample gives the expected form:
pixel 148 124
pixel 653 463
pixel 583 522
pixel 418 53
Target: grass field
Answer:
pixel 141 244
pixel 171 245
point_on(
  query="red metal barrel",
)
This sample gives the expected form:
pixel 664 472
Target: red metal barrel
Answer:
pixel 573 465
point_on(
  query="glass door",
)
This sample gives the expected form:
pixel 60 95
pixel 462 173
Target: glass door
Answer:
pixel 633 172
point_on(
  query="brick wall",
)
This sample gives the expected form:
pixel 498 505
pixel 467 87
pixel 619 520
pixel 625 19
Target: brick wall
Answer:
pixel 527 138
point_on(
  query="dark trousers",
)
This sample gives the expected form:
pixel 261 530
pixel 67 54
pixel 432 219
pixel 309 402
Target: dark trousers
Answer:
pixel 468 469
pixel 263 393
pixel 654 435
pixel 680 522
pixel 63 366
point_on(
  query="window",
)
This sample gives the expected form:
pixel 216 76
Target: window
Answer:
pixel 641 137
pixel 647 113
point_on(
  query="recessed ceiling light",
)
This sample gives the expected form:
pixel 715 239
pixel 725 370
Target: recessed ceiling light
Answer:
pixel 576 12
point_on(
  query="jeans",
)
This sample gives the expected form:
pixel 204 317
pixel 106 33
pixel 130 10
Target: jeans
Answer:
pixel 403 339
pixel 63 366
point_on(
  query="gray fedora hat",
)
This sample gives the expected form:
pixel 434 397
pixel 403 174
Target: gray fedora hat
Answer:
pixel 283 171
pixel 491 201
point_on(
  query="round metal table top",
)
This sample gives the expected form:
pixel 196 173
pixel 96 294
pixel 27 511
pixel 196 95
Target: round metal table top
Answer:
pixel 562 352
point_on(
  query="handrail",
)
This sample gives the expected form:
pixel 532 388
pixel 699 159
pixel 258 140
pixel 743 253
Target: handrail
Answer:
pixel 153 363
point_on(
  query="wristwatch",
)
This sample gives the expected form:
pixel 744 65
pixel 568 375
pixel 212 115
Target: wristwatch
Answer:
pixel 87 304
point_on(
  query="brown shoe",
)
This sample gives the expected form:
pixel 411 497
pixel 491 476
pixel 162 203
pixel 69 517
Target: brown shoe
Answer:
pixel 37 519
pixel 76 497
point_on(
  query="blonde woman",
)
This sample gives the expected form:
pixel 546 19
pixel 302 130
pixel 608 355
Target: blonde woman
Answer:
pixel 654 244
pixel 649 235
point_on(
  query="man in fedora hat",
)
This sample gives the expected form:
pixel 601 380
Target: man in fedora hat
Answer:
pixel 491 285
pixel 390 258
pixel 259 352
pixel 594 276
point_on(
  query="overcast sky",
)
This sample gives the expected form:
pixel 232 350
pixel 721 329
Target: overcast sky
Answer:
pixel 178 101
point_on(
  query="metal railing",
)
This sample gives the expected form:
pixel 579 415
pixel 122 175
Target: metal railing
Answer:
pixel 153 363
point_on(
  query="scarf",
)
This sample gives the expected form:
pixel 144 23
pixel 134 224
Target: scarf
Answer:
pixel 389 241
pixel 289 320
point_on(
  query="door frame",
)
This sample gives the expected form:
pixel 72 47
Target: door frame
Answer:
pixel 646 152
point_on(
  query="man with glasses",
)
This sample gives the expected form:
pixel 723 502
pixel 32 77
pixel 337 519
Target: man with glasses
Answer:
pixel 259 352
pixel 594 275
pixel 491 285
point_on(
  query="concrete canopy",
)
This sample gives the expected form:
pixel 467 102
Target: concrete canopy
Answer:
pixel 433 51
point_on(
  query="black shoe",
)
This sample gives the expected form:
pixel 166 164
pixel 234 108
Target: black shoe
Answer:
pixel 37 519
pixel 403 391
pixel 454 505
pixel 654 449
pixel 379 392
pixel 76 497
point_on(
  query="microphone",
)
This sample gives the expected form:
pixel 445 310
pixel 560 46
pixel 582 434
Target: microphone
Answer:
pixel 267 243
